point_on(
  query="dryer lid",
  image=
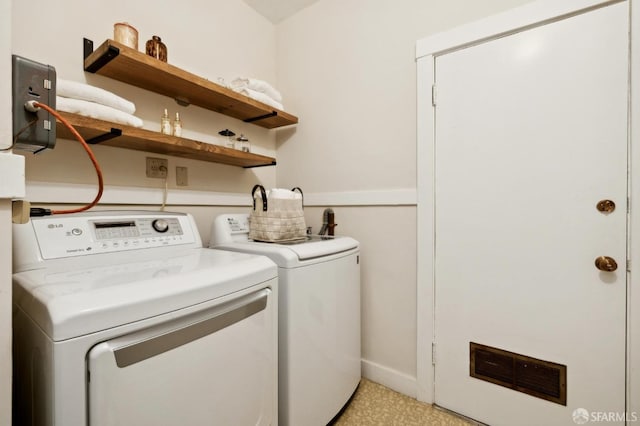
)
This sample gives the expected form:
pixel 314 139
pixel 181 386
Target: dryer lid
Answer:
pixel 292 255
pixel 69 299
pixel 317 246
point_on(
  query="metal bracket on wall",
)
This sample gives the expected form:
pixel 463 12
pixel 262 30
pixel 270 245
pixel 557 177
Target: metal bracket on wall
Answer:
pixel 273 163
pixel 261 117
pixel 113 133
pixel 106 57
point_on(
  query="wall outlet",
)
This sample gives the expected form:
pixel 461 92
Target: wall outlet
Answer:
pixel 157 167
pixel 182 178
pixel 32 81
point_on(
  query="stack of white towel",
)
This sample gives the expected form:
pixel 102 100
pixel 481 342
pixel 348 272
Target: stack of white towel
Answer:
pixel 281 194
pixel 90 101
pixel 258 90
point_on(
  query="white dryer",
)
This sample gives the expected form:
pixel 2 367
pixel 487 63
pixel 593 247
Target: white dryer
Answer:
pixel 319 318
pixel 123 318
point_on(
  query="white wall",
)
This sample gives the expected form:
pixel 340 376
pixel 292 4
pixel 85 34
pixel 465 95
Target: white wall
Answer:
pixel 5 74
pixel 348 69
pixel 209 38
pixel 5 218
pixel 5 312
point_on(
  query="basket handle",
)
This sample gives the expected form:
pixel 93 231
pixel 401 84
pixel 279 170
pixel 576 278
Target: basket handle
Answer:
pixel 299 190
pixel 263 193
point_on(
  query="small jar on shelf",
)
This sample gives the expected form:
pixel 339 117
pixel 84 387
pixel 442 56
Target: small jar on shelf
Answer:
pixel 229 135
pixel 242 143
pixel 165 123
pixel 156 48
pixel 177 126
pixel 126 34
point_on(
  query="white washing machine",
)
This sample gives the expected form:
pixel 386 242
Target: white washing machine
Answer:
pixel 319 318
pixel 123 318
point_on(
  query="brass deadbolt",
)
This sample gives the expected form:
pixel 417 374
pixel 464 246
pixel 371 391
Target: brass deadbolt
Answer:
pixel 606 264
pixel 606 206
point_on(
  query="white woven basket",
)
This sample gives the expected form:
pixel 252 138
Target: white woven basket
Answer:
pixel 276 219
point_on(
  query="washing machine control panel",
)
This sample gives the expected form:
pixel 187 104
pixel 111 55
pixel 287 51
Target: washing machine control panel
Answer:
pixel 238 224
pixel 230 228
pixel 146 227
pixel 83 235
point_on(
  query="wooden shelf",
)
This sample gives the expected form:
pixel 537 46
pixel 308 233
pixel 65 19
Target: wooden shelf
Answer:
pixel 122 63
pixel 121 136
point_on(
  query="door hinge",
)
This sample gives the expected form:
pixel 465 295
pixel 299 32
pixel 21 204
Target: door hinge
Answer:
pixel 628 265
pixel 433 95
pixel 433 353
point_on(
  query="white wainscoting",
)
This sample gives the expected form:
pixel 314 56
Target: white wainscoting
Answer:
pixel 71 193
pixel 68 193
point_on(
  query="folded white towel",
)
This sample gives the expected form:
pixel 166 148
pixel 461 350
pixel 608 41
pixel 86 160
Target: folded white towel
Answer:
pixel 261 97
pixel 257 85
pixel 94 110
pixel 85 92
pixel 283 194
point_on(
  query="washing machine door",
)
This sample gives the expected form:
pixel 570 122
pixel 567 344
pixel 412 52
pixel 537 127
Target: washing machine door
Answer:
pixel 215 367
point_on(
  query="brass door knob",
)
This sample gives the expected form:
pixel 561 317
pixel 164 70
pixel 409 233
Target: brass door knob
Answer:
pixel 606 206
pixel 606 264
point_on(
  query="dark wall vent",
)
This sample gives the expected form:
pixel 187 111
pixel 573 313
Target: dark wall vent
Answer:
pixel 535 377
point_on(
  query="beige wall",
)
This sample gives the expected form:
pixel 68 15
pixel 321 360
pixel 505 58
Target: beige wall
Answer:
pixel 5 218
pixel 348 68
pixel 5 312
pixel 345 67
pixel 212 39
pixel 388 275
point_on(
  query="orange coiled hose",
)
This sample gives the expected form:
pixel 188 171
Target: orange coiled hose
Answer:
pixel 89 152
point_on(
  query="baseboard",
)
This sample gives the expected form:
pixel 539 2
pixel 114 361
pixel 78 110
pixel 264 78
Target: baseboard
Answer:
pixel 393 379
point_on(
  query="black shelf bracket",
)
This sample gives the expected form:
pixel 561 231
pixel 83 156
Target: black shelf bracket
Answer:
pixel 114 133
pixel 87 47
pixel 261 117
pixel 273 163
pixel 103 60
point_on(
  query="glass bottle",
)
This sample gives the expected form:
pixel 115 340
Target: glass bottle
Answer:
pixel 156 48
pixel 165 123
pixel 177 126
pixel 242 143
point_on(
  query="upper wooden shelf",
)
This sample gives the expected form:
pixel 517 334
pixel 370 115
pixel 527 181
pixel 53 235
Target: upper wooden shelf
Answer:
pixel 118 135
pixel 122 63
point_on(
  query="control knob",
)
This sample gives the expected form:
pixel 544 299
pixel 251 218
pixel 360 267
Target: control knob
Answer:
pixel 160 225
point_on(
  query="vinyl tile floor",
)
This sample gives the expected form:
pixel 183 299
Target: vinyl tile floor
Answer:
pixel 375 405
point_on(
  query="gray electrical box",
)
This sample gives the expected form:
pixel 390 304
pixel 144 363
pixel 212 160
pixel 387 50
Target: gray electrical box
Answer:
pixel 32 81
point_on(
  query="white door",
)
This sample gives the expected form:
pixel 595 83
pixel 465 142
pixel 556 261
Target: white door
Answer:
pixel 531 133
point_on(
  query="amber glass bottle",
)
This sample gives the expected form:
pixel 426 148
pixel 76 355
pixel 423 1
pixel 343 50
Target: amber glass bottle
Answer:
pixel 156 48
